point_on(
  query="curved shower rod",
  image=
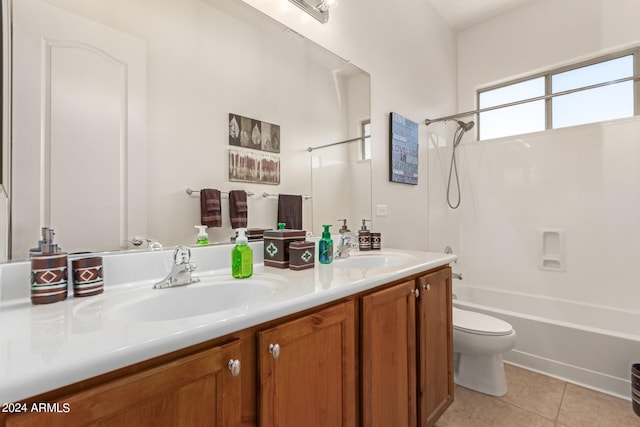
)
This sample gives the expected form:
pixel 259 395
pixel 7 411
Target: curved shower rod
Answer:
pixel 524 101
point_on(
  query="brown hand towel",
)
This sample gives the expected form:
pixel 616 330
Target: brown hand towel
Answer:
pixel 210 212
pixel 238 211
pixel 290 211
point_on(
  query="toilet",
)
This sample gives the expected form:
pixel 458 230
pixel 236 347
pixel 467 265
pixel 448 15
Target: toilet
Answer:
pixel 478 343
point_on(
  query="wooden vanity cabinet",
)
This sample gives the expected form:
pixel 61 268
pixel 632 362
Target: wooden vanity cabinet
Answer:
pixel 307 370
pixel 195 390
pixel 435 346
pixel 380 358
pixel 407 352
pixel 388 357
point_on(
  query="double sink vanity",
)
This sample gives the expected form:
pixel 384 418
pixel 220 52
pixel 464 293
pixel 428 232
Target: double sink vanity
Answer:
pixel 366 340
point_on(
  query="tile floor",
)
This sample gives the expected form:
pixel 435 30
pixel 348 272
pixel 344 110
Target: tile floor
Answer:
pixel 536 400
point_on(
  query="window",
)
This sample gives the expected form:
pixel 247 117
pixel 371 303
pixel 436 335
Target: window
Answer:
pixel 365 131
pixel 523 118
pixel 589 92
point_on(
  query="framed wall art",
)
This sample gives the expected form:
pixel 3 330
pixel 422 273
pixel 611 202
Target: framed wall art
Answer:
pixel 403 150
pixel 254 134
pixel 254 166
pixel 254 150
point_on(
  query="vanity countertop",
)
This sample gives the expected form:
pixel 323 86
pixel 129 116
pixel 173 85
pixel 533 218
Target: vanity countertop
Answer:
pixel 44 347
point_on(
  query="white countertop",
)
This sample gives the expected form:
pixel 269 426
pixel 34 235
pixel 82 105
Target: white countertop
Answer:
pixel 45 347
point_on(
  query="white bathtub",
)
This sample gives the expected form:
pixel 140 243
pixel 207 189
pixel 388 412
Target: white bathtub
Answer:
pixel 585 344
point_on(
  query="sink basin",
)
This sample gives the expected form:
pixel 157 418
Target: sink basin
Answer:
pixel 204 298
pixel 373 261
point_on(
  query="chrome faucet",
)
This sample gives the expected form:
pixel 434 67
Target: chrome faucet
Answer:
pixel 347 241
pixel 181 270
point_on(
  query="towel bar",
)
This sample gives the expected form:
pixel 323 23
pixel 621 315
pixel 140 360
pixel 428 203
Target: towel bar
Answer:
pixel 191 191
pixel 276 195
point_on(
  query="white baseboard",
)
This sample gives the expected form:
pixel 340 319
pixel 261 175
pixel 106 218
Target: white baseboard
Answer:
pixel 618 387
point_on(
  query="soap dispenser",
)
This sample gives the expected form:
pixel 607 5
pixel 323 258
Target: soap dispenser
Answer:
pixel 49 271
pixel 325 247
pixel 344 228
pixel 364 237
pixel 203 237
pixel 241 257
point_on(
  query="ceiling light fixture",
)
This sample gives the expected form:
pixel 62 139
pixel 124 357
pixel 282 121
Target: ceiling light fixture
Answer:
pixel 318 9
pixel 325 5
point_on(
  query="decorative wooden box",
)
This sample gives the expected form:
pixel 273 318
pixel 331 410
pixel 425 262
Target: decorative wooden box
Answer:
pixel 255 233
pixel 276 246
pixel 301 255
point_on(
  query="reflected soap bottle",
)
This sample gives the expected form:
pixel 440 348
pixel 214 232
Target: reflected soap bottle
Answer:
pixel 203 237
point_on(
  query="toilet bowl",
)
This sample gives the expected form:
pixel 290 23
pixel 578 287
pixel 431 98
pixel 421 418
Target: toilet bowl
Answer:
pixel 478 343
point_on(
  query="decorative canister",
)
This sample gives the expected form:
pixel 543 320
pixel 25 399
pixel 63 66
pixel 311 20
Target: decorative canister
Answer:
pixel 276 246
pixel 364 240
pixel 256 233
pixel 87 276
pixel 301 255
pixel 49 278
pixel 376 240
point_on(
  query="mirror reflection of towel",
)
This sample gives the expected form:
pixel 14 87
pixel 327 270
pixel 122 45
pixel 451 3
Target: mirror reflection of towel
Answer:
pixel 238 211
pixel 290 211
pixel 210 212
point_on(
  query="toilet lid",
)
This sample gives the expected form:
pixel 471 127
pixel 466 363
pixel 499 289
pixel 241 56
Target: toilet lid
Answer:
pixel 478 323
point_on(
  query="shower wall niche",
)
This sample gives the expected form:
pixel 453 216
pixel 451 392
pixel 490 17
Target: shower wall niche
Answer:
pixel 553 250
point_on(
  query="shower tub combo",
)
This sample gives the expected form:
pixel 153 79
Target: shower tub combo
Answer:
pixel 584 344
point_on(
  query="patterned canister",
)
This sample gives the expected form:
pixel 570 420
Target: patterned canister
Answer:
pixel 276 246
pixel 301 255
pixel 364 240
pixel 49 278
pixel 87 276
pixel 376 240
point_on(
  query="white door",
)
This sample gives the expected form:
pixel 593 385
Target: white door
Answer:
pixel 79 131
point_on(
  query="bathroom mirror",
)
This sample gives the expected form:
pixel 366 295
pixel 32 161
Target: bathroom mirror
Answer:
pixel 125 104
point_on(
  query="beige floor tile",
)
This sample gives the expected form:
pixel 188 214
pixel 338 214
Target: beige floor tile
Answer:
pixel 534 392
pixel 582 407
pixel 472 409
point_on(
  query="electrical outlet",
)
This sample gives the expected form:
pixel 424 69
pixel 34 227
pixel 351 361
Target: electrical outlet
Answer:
pixel 381 210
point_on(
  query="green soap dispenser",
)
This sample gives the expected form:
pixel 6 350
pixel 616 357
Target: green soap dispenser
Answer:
pixel 325 247
pixel 242 257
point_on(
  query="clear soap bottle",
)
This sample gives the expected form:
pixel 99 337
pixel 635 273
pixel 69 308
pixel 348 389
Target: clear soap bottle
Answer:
pixel 242 257
pixel 203 237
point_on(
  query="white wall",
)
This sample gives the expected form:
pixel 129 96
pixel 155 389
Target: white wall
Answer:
pixel 583 180
pixel 410 53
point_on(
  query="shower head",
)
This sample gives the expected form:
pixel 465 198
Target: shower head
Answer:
pixel 466 126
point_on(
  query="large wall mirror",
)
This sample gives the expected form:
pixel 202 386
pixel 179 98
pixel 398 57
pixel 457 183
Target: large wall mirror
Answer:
pixel 119 106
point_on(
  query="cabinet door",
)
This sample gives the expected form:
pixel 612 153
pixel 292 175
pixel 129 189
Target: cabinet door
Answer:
pixel 197 390
pixel 307 370
pixel 435 332
pixel 389 357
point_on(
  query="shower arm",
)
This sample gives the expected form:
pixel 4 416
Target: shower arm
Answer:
pixel 524 101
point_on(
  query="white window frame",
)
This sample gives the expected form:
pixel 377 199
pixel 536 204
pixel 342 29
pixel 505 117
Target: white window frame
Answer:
pixel 366 137
pixel 548 79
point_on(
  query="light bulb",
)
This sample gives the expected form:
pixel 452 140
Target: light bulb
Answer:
pixel 325 5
